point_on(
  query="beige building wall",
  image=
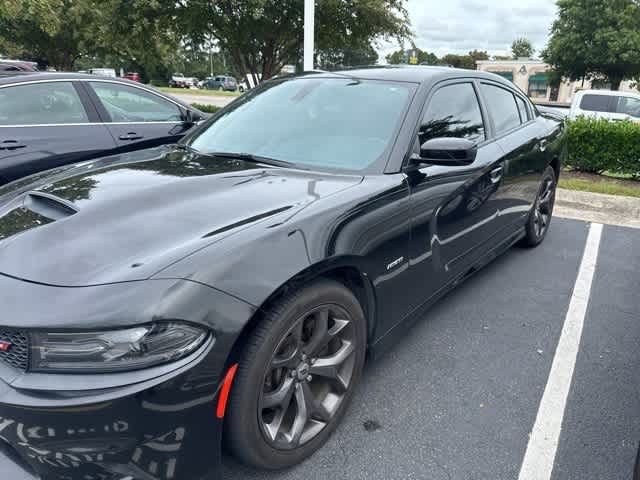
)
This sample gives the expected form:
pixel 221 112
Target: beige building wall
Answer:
pixel 528 74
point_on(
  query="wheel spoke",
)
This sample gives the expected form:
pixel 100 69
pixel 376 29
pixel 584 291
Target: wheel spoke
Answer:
pixel 301 418
pixel 320 336
pixel 329 367
pixel 314 408
pixel 281 397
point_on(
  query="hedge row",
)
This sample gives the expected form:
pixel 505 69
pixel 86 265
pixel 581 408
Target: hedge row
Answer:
pixel 205 107
pixel 598 145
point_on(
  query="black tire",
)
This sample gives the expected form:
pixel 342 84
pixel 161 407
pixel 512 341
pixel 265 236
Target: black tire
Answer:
pixel 541 214
pixel 245 433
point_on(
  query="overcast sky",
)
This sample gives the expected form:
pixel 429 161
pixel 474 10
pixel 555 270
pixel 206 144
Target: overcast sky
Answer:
pixel 458 26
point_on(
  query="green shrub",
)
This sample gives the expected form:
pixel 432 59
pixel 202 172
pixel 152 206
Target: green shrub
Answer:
pixel 205 108
pixel 598 145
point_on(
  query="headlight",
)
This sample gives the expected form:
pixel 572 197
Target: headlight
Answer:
pixel 115 350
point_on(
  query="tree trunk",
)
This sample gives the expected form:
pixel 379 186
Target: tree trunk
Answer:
pixel 615 83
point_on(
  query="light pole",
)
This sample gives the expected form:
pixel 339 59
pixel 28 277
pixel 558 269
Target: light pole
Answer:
pixel 309 20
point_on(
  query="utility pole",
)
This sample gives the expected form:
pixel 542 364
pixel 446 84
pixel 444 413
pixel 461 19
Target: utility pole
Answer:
pixel 309 27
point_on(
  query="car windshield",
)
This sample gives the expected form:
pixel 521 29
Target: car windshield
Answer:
pixel 326 123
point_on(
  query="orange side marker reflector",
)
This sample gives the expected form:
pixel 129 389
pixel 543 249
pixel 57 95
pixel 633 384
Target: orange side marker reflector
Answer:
pixel 224 391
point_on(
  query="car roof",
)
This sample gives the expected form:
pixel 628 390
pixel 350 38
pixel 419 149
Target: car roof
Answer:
pixel 611 93
pixel 416 74
pixel 8 78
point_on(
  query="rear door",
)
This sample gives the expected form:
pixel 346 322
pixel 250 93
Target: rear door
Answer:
pixel 46 124
pixel 137 118
pixel 523 141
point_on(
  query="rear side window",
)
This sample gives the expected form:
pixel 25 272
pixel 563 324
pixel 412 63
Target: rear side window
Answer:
pixel 453 112
pixel 595 103
pixel 524 111
pixel 502 108
pixel 629 106
pixel 41 103
pixel 130 104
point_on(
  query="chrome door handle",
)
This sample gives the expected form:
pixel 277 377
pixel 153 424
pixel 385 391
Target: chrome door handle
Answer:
pixel 130 136
pixel 11 145
pixel 496 174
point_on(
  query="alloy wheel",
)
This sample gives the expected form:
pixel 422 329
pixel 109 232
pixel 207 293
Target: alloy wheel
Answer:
pixel 308 377
pixel 544 207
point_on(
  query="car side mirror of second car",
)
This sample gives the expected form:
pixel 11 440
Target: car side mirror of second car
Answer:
pixel 447 151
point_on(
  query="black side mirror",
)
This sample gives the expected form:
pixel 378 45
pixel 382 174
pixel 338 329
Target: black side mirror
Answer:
pixel 448 151
pixel 188 118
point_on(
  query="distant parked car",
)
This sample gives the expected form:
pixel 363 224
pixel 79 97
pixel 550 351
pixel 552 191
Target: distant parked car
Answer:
pixel 105 72
pixel 52 119
pixel 221 82
pixel 178 80
pixel 133 76
pixel 17 66
pixel 607 104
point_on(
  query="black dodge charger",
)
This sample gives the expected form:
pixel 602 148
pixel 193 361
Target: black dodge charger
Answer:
pixel 227 290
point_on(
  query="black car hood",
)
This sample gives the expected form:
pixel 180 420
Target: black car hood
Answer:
pixel 127 217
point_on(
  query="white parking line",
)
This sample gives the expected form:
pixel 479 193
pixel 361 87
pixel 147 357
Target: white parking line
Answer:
pixel 543 441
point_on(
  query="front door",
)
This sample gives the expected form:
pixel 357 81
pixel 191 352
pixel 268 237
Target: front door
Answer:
pixel 138 118
pixel 454 208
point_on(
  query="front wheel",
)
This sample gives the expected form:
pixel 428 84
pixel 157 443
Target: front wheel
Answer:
pixel 540 216
pixel 296 376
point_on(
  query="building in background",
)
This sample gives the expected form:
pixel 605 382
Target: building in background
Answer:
pixel 536 79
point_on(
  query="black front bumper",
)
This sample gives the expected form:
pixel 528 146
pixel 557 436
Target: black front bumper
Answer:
pixel 158 423
pixel 165 431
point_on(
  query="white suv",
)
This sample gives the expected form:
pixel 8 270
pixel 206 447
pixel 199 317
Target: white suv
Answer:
pixel 606 104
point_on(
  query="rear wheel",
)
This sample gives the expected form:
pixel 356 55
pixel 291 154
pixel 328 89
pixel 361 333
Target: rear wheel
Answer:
pixel 296 376
pixel 540 216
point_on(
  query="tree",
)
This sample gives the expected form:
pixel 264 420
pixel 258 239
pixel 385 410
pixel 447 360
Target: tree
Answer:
pixel 400 56
pixel 54 32
pixel 334 59
pixel 261 36
pixel 521 48
pixel 596 39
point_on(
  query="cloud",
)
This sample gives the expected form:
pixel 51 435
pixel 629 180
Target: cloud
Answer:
pixel 457 26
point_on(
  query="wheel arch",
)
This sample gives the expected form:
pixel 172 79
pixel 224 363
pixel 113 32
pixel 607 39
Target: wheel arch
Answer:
pixel 345 270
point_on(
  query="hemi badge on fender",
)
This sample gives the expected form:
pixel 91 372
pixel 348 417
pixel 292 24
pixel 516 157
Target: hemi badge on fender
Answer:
pixel 4 346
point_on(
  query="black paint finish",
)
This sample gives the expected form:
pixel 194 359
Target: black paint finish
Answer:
pixel 170 234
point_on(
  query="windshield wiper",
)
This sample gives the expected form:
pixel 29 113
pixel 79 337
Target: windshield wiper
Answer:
pixel 249 157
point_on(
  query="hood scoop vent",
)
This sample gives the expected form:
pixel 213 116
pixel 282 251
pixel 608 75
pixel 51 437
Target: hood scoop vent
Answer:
pixel 48 206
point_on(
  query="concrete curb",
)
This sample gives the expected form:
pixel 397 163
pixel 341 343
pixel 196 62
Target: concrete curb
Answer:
pixel 598 207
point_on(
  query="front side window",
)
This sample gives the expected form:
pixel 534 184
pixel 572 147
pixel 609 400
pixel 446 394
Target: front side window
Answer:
pixel 453 112
pixel 629 106
pixel 41 103
pixel 502 108
pixel 129 104
pixel 595 103
pixel 334 123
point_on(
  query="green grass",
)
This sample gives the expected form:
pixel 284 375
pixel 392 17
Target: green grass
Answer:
pixel 599 187
pixel 194 91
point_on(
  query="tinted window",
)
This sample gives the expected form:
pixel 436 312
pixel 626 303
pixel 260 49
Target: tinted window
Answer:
pixel 524 111
pixel 629 106
pixel 130 104
pixel 502 108
pixel 595 103
pixel 41 103
pixel 337 123
pixel 453 112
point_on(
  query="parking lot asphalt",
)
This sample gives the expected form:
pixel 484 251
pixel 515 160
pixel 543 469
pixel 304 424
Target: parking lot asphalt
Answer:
pixel 457 396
